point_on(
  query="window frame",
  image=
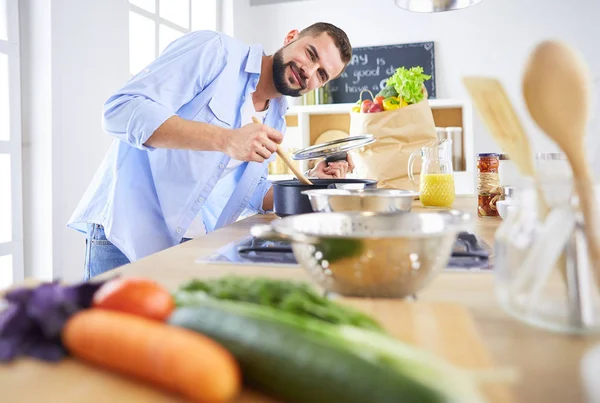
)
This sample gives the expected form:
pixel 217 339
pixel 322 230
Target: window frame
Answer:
pixel 13 147
pixel 157 19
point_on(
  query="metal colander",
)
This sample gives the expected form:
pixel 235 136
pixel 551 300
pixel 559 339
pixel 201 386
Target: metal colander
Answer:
pixel 365 254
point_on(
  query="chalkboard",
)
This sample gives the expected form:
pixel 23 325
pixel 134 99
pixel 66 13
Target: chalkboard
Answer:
pixel 371 66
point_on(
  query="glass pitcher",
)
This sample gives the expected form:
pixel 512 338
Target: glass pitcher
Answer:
pixel 436 187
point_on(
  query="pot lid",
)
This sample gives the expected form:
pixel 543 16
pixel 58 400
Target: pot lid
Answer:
pixel 334 147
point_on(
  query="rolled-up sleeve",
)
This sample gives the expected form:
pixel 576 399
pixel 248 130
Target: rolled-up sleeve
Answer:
pixel 155 94
pixel 256 201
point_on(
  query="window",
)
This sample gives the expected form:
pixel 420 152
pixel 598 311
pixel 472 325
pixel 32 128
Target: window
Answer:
pixel 11 220
pixel 154 24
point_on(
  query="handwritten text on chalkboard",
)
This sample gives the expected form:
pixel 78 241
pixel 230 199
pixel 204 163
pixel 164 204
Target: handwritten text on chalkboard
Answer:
pixel 370 68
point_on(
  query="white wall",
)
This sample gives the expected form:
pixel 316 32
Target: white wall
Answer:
pixel 492 38
pixel 76 54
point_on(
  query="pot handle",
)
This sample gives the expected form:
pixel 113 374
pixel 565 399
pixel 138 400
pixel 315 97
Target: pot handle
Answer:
pixel 337 157
pixel 266 231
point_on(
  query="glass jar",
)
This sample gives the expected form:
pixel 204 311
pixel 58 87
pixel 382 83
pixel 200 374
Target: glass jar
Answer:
pixel 489 190
pixel 543 275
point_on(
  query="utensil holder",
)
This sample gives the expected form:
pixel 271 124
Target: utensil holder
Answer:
pixel 527 248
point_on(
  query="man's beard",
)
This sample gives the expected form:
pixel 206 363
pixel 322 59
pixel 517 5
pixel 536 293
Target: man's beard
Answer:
pixel 281 83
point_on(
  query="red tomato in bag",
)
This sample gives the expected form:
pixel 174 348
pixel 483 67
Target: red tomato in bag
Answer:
pixel 375 108
pixel 366 105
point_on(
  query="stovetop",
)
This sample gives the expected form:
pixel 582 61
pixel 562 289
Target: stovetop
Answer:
pixel 470 252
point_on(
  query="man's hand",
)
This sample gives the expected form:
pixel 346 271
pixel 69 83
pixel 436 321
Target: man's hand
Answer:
pixel 252 142
pixel 333 170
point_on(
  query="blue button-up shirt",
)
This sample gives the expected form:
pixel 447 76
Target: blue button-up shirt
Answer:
pixel 145 197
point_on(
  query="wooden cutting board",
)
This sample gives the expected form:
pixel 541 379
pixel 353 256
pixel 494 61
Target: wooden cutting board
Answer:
pixel 442 328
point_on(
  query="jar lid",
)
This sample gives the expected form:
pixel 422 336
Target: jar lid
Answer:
pixel 488 155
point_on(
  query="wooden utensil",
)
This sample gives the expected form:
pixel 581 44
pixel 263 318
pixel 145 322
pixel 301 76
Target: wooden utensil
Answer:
pixel 287 162
pixel 556 87
pixel 498 114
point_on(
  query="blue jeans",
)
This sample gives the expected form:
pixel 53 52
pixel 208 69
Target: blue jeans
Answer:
pixel 100 254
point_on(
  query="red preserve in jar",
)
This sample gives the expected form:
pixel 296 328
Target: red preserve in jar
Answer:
pixel 489 190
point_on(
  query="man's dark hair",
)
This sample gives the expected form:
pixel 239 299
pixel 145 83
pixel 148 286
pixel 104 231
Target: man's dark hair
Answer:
pixel 339 37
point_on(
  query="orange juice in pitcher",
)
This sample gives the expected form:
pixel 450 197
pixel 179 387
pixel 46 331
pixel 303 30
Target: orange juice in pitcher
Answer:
pixel 436 187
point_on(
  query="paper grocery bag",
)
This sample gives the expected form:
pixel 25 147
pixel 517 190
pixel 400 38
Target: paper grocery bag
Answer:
pixel 398 133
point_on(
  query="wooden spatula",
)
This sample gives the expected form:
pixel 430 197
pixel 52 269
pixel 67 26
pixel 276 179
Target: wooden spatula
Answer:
pixel 287 162
pixel 501 119
pixel 498 114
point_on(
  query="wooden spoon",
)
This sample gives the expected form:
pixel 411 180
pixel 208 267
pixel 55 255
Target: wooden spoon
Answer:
pixel 556 87
pixel 289 163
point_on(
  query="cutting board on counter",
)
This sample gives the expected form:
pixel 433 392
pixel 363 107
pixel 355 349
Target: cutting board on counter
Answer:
pixel 445 329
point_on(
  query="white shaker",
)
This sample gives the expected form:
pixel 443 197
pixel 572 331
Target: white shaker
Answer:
pixel 508 172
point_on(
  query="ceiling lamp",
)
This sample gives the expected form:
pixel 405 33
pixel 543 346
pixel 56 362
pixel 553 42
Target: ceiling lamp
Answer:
pixel 434 6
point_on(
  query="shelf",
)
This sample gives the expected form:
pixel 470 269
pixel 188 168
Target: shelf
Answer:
pixel 307 122
pixel 345 108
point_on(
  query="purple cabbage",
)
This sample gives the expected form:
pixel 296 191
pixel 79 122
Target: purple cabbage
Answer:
pixel 33 319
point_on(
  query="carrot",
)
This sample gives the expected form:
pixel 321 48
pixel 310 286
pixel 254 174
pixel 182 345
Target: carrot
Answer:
pixel 167 356
pixel 139 296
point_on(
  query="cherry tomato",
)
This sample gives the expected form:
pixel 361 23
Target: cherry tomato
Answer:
pixel 138 296
pixel 366 105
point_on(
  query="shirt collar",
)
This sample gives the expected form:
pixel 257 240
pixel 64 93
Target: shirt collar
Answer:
pixel 254 60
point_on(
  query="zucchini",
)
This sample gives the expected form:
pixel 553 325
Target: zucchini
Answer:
pixel 282 354
pixel 285 295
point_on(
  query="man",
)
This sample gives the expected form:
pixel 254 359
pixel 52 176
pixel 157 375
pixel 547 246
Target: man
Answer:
pixel 188 159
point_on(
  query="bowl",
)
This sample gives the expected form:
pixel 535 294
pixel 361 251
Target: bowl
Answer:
pixel 504 206
pixel 366 254
pixel 374 200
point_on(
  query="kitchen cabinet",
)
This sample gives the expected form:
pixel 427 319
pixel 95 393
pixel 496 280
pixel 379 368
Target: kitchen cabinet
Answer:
pixel 305 123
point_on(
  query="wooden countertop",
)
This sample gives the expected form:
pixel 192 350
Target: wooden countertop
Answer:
pixel 548 362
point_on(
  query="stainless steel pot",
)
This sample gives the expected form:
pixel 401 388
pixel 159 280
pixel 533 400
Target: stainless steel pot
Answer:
pixel 374 200
pixel 365 254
